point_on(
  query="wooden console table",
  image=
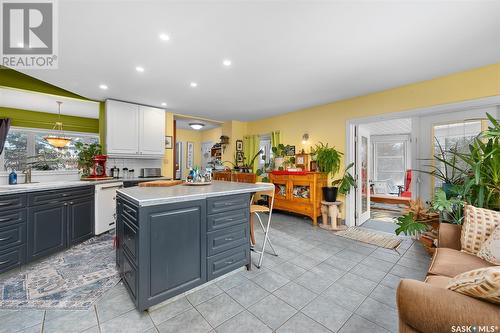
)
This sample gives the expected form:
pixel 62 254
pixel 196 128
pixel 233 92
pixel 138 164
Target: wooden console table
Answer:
pixel 240 177
pixel 299 193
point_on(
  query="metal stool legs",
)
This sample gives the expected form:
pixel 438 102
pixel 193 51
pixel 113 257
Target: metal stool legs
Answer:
pixel 266 239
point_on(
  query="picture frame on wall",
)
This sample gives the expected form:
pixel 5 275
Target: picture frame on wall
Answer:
pixel 168 142
pixel 189 154
pixel 239 145
pixel 302 161
pixel 290 150
pixel 239 157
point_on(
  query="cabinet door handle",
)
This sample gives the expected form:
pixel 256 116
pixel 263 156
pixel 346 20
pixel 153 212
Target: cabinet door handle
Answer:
pixel 4 262
pixel 71 202
pixel 229 262
pixel 6 219
pixel 64 195
pixel 6 238
pixel 228 239
pixel 5 203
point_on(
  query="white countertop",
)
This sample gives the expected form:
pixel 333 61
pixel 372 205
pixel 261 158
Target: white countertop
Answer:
pixel 150 196
pixel 45 186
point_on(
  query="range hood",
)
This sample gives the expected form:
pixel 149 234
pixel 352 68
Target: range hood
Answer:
pixel 4 130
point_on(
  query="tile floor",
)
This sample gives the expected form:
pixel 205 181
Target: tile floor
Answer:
pixel 319 283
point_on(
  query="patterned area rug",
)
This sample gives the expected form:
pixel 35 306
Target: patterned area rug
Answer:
pixel 73 279
pixel 378 238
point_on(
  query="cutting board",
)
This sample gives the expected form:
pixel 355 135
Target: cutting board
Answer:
pixel 161 183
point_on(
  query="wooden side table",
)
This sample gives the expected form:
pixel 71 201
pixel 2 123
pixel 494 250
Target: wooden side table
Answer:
pixel 332 210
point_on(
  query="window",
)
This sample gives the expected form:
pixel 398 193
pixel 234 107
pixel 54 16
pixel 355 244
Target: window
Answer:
pixel 265 146
pixel 25 145
pixel 454 136
pixel 390 158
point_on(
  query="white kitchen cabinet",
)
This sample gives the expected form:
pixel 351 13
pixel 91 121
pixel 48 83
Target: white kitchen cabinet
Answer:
pixel 151 131
pixel 134 131
pixel 122 128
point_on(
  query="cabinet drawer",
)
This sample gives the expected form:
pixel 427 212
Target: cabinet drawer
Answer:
pixel 228 238
pixel 10 202
pixel 12 258
pixel 227 203
pixel 301 178
pixel 227 219
pixel 129 274
pixel 12 217
pixel 228 261
pixel 279 178
pixel 130 212
pixel 44 197
pixel 130 239
pixel 13 235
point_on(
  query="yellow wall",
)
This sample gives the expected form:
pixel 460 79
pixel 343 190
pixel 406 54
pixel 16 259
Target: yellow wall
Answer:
pixel 235 130
pixel 211 135
pixel 327 123
pixel 192 136
pixel 168 160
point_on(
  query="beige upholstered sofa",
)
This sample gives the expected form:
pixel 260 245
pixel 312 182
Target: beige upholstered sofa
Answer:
pixel 430 307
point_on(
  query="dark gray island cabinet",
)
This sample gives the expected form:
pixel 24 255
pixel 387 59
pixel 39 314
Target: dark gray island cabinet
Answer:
pixel 36 224
pixel 177 242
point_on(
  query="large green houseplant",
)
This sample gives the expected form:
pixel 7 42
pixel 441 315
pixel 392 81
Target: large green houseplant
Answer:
pixel 475 182
pixel 328 161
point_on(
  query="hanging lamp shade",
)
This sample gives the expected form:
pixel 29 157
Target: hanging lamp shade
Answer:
pixel 58 140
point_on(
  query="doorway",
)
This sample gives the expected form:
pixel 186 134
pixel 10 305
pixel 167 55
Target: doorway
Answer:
pixel 395 158
pixel 206 154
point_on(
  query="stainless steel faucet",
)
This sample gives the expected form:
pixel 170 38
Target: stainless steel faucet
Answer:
pixel 27 175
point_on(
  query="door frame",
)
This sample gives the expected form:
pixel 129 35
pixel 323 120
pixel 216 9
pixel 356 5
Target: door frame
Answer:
pixel 492 102
pixel 359 179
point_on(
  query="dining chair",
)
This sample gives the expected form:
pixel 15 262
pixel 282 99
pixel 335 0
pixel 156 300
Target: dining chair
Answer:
pixel 257 210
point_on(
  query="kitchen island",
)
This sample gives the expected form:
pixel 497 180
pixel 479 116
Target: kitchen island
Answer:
pixel 172 239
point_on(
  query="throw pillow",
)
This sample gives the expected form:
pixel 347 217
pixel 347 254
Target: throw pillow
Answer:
pixel 490 250
pixel 482 283
pixel 478 225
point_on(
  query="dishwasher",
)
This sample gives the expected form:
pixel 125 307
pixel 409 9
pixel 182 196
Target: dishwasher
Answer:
pixel 105 206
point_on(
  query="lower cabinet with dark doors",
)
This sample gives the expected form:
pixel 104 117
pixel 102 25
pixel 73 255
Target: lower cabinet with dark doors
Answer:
pixel 165 250
pixel 38 224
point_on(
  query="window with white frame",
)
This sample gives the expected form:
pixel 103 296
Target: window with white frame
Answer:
pixel 454 136
pixel 265 146
pixel 391 158
pixel 26 145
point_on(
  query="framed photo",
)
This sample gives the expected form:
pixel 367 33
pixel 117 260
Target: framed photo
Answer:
pixel 239 145
pixel 168 142
pixel 290 150
pixel 239 157
pixel 313 166
pixel 302 161
pixel 190 154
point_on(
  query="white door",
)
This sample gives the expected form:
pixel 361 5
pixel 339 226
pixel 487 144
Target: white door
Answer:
pixel 151 131
pixel 206 153
pixel 179 161
pixel 362 175
pixel 122 128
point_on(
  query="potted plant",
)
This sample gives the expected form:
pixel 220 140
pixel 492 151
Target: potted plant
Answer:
pixel 86 152
pixel 328 161
pixel 279 153
pixel 345 183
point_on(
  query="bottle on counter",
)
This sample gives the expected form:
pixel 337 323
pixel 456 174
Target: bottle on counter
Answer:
pixel 13 178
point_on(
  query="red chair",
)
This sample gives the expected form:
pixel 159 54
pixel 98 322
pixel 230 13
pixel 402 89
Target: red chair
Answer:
pixel 407 193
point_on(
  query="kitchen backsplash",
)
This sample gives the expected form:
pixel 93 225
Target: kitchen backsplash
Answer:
pixel 71 175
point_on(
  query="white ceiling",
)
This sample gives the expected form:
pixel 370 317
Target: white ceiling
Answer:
pixel 26 100
pixel 286 55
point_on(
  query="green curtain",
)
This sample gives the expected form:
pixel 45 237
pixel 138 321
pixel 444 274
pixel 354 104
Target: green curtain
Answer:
pixel 251 145
pixel 275 138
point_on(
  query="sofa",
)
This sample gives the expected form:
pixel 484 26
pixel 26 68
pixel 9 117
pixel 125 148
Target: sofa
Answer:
pixel 429 307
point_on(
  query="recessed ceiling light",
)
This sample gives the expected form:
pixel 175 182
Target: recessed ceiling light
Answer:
pixel 163 104
pixel 226 62
pixel 193 84
pixel 103 87
pixel 196 126
pixel 164 37
pixel 139 69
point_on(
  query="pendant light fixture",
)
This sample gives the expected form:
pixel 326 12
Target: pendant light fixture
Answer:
pixel 58 140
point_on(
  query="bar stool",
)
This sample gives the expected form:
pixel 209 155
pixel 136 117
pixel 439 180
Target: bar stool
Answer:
pixel 257 209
